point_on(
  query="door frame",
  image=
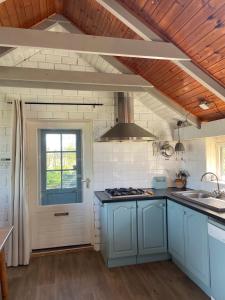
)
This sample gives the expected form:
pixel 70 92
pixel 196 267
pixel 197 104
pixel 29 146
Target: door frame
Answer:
pixel 36 124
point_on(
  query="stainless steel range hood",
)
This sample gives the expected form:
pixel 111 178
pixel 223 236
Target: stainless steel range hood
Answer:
pixel 126 129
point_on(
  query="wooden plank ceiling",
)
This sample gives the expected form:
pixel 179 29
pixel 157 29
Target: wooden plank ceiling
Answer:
pixel 195 26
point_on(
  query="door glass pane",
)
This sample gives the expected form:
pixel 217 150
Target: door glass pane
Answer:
pixel 68 142
pixel 53 142
pixel 53 180
pixel 68 160
pixel 69 179
pixel 61 167
pixel 53 161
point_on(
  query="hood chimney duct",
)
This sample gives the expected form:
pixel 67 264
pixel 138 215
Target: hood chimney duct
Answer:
pixel 125 128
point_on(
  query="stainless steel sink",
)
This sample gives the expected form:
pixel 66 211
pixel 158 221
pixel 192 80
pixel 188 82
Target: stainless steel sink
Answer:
pixel 197 195
pixel 202 198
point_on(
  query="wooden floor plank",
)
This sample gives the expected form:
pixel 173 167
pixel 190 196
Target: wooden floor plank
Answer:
pixel 83 276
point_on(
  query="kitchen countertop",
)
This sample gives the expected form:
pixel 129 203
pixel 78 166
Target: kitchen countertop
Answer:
pixel 162 194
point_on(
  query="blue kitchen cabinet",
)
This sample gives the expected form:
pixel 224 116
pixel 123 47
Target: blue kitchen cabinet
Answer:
pixel 188 243
pixel 119 233
pixel 196 245
pixel 175 215
pixel 133 232
pixel 152 227
pixel 122 229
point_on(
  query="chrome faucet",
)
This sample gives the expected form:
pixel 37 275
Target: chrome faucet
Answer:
pixel 218 192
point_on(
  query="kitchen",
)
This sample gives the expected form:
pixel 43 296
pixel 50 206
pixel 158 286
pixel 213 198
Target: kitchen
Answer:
pixel 112 149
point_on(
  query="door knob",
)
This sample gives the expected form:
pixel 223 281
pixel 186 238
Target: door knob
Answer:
pixel 88 181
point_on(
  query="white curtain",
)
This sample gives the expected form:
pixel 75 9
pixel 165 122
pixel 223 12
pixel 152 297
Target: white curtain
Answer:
pixel 19 252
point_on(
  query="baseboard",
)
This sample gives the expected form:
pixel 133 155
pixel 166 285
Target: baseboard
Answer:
pixel 121 262
pixel 152 258
pixel 61 250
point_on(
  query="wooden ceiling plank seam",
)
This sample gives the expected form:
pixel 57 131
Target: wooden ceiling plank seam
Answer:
pixel 59 6
pixel 203 31
pixel 209 53
pixel 195 91
pixel 171 74
pixel 12 13
pixel 4 15
pixel 161 10
pixel 81 11
pixel 191 10
pixel 193 70
pixel 36 11
pixel 191 28
pixel 160 68
pixel 172 14
pixel 28 12
pixel 43 7
pixel 175 85
pixel 20 12
pixel 149 7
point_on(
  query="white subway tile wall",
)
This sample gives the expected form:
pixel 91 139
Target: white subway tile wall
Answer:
pixel 115 164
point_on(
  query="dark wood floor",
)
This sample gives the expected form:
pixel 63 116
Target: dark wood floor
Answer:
pixel 83 276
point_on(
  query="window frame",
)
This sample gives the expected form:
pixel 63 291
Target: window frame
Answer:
pixel 221 172
pixel 43 163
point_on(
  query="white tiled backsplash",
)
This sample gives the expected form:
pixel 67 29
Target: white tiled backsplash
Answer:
pixel 129 164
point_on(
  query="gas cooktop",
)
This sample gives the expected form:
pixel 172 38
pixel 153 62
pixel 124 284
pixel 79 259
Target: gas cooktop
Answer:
pixel 127 192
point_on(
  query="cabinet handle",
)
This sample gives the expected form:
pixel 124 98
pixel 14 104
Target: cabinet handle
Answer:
pixel 61 214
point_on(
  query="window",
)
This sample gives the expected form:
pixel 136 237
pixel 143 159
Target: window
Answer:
pixel 60 166
pixel 221 159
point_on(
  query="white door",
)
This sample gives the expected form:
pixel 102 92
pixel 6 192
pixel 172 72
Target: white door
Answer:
pixel 59 171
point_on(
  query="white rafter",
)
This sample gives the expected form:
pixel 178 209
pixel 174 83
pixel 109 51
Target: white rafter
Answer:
pixel 19 37
pixel 71 80
pixel 43 25
pixel 148 35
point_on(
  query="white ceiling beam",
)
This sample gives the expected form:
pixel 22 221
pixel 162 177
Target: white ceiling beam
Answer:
pixel 76 80
pixel 192 119
pixel 15 37
pixel 43 25
pixel 147 34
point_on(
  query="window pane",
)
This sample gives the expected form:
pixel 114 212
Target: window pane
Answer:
pixel 68 160
pixel 223 160
pixel 53 142
pixel 53 180
pixel 68 142
pixel 53 161
pixel 69 179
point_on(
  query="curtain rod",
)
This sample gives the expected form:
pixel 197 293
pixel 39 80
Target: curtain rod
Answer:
pixel 61 103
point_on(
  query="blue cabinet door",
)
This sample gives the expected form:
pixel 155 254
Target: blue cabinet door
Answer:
pixel 196 245
pixel 152 231
pixel 122 229
pixel 175 215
